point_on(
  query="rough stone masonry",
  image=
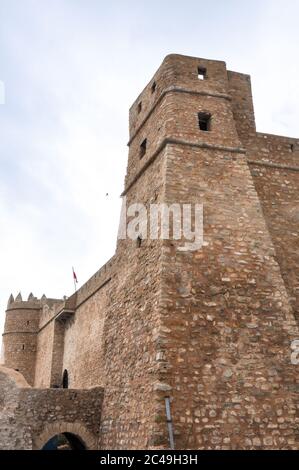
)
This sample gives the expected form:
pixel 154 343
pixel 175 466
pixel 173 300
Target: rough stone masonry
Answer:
pixel 210 330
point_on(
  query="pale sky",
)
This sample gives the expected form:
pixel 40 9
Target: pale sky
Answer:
pixel 71 69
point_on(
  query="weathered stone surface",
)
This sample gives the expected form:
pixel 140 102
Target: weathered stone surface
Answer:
pixel 210 329
pixel 30 417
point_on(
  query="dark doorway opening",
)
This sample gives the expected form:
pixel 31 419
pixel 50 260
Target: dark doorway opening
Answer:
pixel 65 379
pixel 64 441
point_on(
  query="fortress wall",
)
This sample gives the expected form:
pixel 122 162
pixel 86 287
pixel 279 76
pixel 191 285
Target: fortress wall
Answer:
pixel 83 342
pixel 45 340
pixel 49 310
pixel 278 191
pixel 77 341
pixel 57 354
pixel 210 329
pixel 44 356
pixel 228 315
pixel 131 333
pixel 276 179
pixel 52 338
pixel 274 149
pixel 51 333
pixel 95 282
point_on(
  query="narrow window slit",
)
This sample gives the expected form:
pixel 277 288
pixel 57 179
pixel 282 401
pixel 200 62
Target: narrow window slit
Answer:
pixel 143 148
pixel 204 121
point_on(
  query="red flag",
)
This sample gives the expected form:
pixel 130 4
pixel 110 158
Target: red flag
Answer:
pixel 74 276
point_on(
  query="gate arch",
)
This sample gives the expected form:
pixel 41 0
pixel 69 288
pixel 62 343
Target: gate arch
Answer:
pixel 78 430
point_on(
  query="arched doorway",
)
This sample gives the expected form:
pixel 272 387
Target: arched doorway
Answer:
pixel 76 433
pixel 64 441
pixel 65 379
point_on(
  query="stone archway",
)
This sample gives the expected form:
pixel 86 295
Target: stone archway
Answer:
pixel 77 430
pixel 65 441
pixel 56 412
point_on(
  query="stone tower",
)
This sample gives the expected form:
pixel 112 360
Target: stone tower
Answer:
pixel 19 338
pixel 217 324
pixel 29 347
pixel 207 332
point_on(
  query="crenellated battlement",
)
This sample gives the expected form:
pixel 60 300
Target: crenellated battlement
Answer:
pixel 32 302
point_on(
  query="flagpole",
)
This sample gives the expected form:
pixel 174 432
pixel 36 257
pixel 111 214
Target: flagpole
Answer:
pixel 74 279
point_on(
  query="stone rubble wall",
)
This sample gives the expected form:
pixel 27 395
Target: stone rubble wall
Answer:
pixel 30 417
pixel 209 329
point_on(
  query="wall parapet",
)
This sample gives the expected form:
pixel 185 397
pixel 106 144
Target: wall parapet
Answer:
pixel 96 281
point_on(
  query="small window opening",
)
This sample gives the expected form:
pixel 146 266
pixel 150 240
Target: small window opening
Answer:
pixel 292 147
pixel 28 322
pixel 143 148
pixel 139 107
pixel 138 241
pixel 201 73
pixel 153 88
pixel 23 346
pixel 204 121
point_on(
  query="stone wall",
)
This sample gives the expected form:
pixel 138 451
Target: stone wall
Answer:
pixel 227 315
pixel 51 411
pixel 70 335
pixel 227 321
pixel 83 342
pixel 274 164
pixel 13 435
pixel 209 329
pixel 281 212
pixel 129 419
pixel 30 417
pixel 45 340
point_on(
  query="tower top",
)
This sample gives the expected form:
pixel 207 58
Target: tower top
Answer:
pixel 32 302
